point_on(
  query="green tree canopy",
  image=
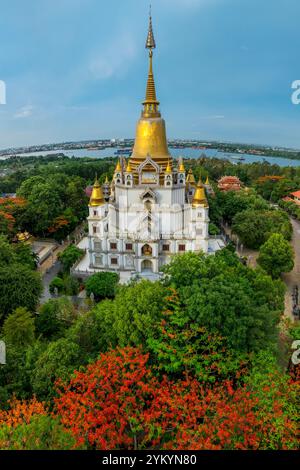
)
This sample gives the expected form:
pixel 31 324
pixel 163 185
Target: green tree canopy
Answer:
pixel 18 328
pixel 229 299
pixel 69 257
pixel 7 253
pixel 103 285
pixel 254 227
pixel 54 317
pixel 276 256
pixel 19 287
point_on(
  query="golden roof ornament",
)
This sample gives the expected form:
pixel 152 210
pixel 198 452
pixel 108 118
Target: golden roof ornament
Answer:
pixel 207 181
pixel 118 167
pixel 190 178
pixel 106 180
pixel 169 168
pixel 128 168
pixel 97 198
pixel 150 43
pixel 199 198
pixel 181 166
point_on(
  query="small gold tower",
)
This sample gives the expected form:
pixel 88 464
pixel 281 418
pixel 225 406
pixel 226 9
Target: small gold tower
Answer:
pixel 97 197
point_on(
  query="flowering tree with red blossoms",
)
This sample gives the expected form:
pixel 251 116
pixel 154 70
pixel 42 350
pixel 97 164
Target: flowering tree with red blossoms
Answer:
pixel 117 403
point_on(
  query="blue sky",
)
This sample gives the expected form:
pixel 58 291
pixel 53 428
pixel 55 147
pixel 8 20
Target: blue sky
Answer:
pixel 76 69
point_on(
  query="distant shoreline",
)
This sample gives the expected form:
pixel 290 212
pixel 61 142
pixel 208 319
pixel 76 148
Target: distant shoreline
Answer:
pixel 192 152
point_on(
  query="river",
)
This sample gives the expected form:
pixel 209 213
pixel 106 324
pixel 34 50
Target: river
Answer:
pixel 185 152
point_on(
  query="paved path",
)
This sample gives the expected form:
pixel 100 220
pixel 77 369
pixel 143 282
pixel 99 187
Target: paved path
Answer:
pixel 293 278
pixel 47 278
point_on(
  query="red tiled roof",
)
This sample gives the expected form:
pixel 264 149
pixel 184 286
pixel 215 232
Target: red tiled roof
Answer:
pixel 296 194
pixel 230 180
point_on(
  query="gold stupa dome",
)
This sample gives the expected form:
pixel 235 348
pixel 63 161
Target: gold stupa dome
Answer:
pixel 150 138
pixel 199 198
pixel 97 198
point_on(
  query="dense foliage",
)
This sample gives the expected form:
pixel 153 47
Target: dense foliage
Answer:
pixel 197 360
pixel 276 256
pixel 102 285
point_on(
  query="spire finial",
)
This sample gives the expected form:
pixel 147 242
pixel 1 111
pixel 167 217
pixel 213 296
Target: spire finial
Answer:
pixel 150 43
pixel 150 104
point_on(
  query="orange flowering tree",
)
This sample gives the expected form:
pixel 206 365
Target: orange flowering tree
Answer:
pixel 27 425
pixel 118 403
pixel 9 210
pixel 21 412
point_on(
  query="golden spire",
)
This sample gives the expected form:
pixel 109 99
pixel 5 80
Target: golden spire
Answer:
pixel 150 137
pixel 118 167
pixel 150 43
pixel 106 180
pixel 169 168
pixel 207 181
pixel 190 178
pixel 97 198
pixel 181 167
pixel 199 198
pixel 128 168
pixel 150 104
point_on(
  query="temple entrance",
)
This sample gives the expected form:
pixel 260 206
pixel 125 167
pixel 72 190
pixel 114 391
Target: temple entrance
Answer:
pixel 147 266
pixel 147 250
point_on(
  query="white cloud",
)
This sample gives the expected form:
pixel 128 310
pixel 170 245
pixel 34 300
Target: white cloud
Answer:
pixel 114 58
pixel 24 112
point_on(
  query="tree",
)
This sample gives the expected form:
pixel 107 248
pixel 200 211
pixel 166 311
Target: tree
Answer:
pixel 54 317
pixel 276 256
pixel 58 360
pixel 184 270
pixel 43 206
pixel 228 299
pixel 118 403
pixel 182 346
pixel 69 257
pixel 102 285
pixel 19 287
pixel 56 283
pixel 7 254
pixel 25 255
pixel 131 317
pixel 18 328
pixel 41 433
pixel 254 227
pixel 21 411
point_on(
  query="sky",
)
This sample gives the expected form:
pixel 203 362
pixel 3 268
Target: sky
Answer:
pixel 76 69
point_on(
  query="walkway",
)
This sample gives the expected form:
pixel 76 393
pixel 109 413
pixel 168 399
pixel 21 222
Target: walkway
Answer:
pixel 293 278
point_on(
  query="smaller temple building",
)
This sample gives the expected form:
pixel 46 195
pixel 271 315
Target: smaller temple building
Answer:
pixel 230 183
